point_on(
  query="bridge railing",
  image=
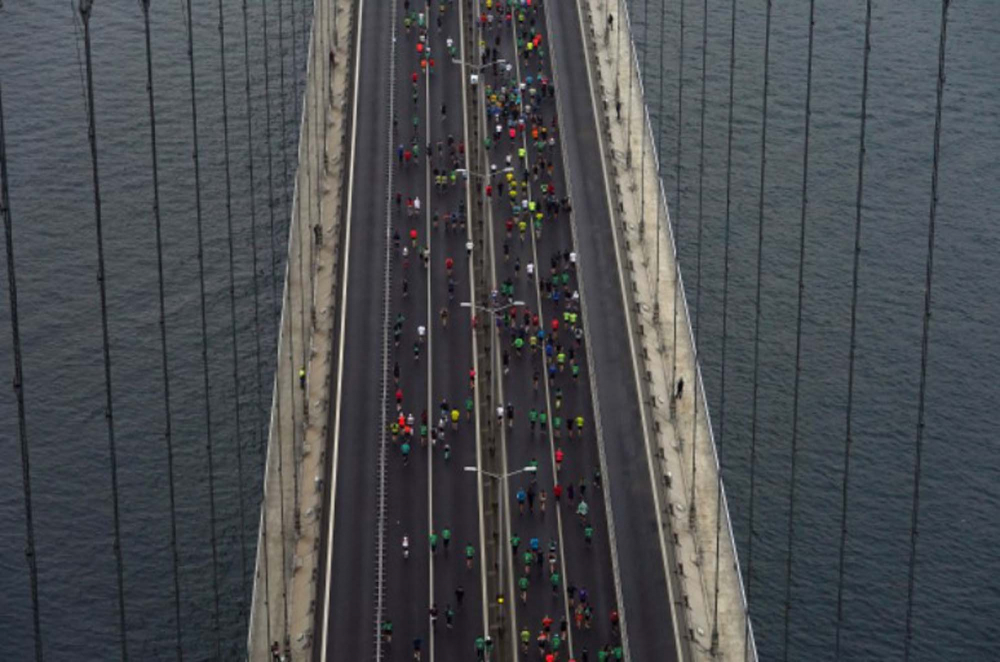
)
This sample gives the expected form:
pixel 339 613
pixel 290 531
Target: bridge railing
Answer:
pixel 663 219
pixel 288 547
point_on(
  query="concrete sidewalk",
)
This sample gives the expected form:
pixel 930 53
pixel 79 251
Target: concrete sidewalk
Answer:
pixel 690 491
pixel 291 511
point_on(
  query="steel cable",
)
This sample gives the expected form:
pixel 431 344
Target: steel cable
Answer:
pixel 848 432
pixel 204 340
pixel 297 218
pixel 275 318
pixel 925 336
pixel 317 67
pixel 18 384
pixel 798 336
pixel 677 201
pixel 259 409
pixel 232 315
pixel 168 423
pixel 287 288
pixel 85 8
pixel 697 288
pixel 618 45
pixel 756 323
pixel 725 319
pixel 632 62
pixel 642 147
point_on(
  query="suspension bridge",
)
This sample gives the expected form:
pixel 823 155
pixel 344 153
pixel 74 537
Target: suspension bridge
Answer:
pixel 382 313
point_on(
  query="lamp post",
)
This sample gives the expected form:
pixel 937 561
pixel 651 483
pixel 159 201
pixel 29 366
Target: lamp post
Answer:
pixel 502 501
pixel 467 173
pixel 492 311
pixel 479 67
pixel 476 68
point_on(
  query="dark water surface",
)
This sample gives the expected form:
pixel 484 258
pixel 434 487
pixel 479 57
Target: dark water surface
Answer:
pixel 957 605
pixel 52 206
pixel 958 592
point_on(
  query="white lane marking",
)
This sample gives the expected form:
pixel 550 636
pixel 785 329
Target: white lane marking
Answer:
pixel 340 351
pixel 472 315
pixel 430 359
pixel 545 372
pixel 631 339
pixel 592 378
pixel 505 527
pixel 386 304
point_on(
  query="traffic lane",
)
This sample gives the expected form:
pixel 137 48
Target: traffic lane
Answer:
pixel 585 568
pixel 526 447
pixel 588 566
pixel 522 449
pixel 644 585
pixel 352 571
pixel 453 507
pixel 408 579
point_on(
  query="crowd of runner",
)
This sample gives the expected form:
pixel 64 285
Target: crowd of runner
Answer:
pixel 523 191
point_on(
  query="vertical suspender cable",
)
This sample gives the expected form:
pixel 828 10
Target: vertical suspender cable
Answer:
pixel 725 318
pixel 798 338
pixel 259 409
pixel 848 433
pixel 662 81
pixel 320 49
pixel 693 507
pixel 630 47
pixel 286 205
pixel 325 60
pixel 286 200
pixel 658 144
pixel 297 216
pixel 22 426
pixel 924 340
pixel 677 201
pixel 321 73
pixel 275 306
pixel 85 7
pixel 642 138
pixel 232 316
pixel 204 341
pixel 168 424
pixel 756 323
pixel 615 64
pixel 642 143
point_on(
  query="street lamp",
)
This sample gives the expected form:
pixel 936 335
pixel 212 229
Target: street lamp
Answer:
pixel 479 67
pixel 465 172
pixel 487 309
pixel 503 542
pixel 528 469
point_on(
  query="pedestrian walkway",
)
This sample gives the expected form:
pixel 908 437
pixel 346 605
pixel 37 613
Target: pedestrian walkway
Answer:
pixel 285 588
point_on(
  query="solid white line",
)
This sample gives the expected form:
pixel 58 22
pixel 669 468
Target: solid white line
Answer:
pixel 496 370
pixel 472 315
pixel 430 361
pixel 386 301
pixel 343 318
pixel 545 367
pixel 504 483
pixel 631 340
pixel 592 378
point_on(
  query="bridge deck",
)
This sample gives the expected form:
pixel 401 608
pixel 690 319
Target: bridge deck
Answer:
pixel 426 494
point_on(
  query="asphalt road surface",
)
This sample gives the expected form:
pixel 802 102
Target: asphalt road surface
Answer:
pixel 410 130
